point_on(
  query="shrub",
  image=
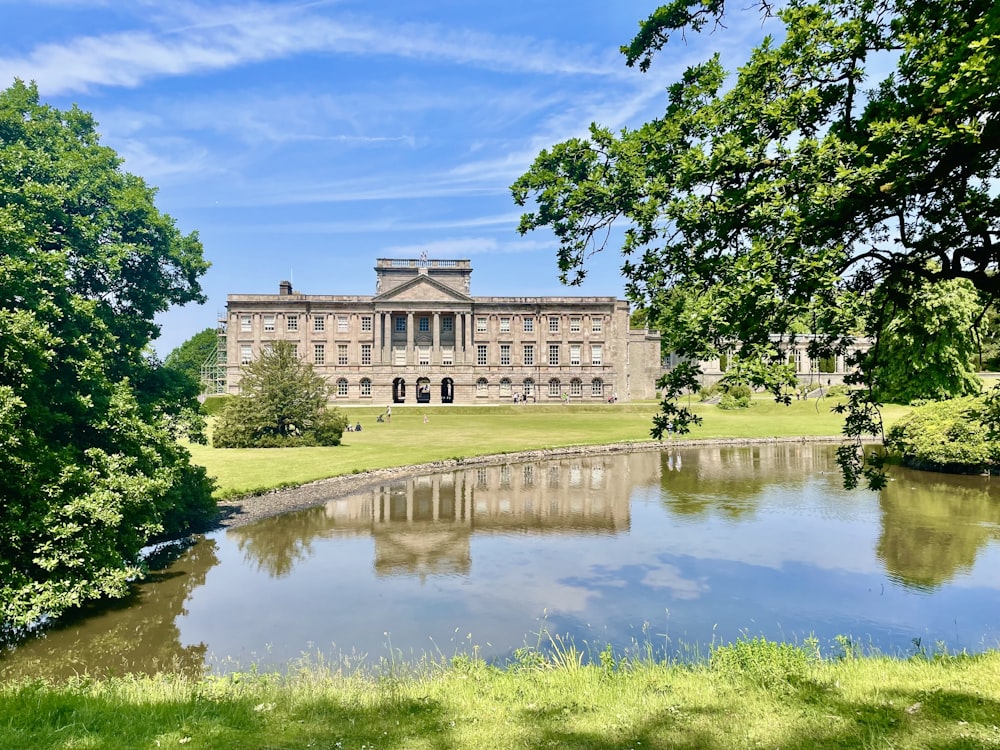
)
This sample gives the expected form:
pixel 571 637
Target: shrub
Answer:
pixel 214 405
pixel 945 436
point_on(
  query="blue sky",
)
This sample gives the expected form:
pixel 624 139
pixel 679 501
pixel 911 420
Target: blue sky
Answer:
pixel 305 140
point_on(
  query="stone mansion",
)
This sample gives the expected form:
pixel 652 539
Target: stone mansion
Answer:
pixel 423 338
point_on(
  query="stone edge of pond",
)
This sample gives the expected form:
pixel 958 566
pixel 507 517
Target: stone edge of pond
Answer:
pixel 248 509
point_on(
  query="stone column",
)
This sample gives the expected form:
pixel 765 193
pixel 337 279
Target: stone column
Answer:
pixel 436 339
pixel 409 338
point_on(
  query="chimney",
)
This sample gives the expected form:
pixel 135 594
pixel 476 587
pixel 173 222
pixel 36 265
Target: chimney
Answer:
pixel 285 288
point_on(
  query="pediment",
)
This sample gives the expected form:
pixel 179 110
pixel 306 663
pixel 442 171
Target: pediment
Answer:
pixel 422 289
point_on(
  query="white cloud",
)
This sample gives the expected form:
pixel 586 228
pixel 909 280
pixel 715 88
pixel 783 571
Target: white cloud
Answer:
pixel 219 38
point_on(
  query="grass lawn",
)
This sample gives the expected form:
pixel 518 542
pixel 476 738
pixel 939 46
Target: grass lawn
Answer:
pixel 465 431
pixel 748 695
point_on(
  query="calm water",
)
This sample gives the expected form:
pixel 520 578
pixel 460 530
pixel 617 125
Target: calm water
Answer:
pixel 676 550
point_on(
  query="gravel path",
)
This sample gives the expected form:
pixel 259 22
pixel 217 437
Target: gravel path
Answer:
pixel 245 510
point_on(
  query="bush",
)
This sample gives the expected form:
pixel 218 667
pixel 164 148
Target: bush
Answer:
pixel 213 406
pixel 737 396
pixel 946 436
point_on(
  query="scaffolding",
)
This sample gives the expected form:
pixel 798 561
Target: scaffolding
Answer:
pixel 213 369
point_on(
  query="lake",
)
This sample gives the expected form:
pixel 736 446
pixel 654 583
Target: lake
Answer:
pixel 665 551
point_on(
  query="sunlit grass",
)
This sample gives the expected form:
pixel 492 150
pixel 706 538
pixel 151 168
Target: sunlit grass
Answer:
pixel 763 696
pixel 463 432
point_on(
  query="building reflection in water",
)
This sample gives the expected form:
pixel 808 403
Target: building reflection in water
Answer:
pixel 423 525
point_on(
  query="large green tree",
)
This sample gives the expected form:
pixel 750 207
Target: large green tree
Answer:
pixel 282 402
pixel 806 179
pixel 90 470
pixel 190 356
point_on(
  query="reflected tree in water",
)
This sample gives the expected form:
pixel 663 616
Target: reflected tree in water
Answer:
pixel 932 532
pixel 282 541
pixel 138 634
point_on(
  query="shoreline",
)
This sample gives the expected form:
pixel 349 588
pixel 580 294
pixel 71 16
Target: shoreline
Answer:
pixel 247 509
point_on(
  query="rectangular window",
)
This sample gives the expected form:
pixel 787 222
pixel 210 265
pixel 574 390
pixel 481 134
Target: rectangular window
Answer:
pixel 529 355
pixel 553 324
pixel 341 354
pixel 480 325
pixel 400 324
pixel 292 323
pixel 574 324
pixel 342 324
pixel 529 325
pixel 554 389
pixel 319 354
pixel 366 323
pixel 295 350
pixel 504 325
pixel 424 324
pixel 596 324
pixel 596 354
pixel 268 322
pixel 575 387
pixel 574 354
pixel 597 388
pixel 553 354
pixel 447 356
pixel 246 354
pixel 245 323
pixel 319 323
pixel 342 387
pixel 447 324
pixel 505 354
pixel 366 388
pixel 366 354
pixel 423 356
pixel 481 354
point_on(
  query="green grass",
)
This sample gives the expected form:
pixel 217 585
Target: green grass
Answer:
pixel 762 695
pixel 464 432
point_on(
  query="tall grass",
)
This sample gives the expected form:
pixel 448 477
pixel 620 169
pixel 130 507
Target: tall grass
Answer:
pixel 754 694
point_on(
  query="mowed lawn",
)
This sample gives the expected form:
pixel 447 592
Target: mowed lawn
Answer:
pixel 452 432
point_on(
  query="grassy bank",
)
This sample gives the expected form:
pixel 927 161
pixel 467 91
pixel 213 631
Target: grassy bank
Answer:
pixel 752 694
pixel 463 432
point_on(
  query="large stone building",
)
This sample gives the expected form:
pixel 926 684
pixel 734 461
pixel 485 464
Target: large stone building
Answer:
pixel 423 338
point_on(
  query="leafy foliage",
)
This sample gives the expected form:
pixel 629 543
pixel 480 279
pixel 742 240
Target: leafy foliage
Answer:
pixel 797 190
pixel 948 435
pixel 282 403
pixel 90 469
pixel 192 354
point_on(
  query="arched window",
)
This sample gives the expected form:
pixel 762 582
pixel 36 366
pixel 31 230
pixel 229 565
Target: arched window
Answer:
pixel 575 387
pixel 529 388
pixel 482 387
pixel 554 390
pixel 341 386
pixel 366 388
pixel 597 388
pixel 505 389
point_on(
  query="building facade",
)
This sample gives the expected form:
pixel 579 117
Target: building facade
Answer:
pixel 423 338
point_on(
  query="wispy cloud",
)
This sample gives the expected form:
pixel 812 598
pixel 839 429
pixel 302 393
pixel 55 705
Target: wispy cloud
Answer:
pixel 221 37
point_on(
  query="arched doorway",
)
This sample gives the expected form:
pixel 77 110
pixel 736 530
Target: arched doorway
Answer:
pixel 447 391
pixel 423 390
pixel 398 390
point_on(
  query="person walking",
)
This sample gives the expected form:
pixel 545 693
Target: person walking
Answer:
pixel 388 413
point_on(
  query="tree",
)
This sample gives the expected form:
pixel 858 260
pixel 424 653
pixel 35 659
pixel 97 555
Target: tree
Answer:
pixel 282 403
pixel 929 348
pixel 802 184
pixel 90 469
pixel 189 357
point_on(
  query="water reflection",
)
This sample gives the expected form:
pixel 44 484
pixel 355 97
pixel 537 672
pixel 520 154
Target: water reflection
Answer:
pixel 422 526
pixel 705 543
pixel 137 634
pixel 934 528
